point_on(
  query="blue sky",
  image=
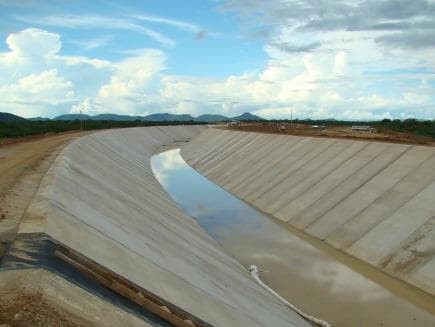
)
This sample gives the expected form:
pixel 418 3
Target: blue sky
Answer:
pixel 326 59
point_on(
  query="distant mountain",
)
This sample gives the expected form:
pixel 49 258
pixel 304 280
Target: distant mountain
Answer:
pixel 7 117
pixel 247 116
pixel 211 118
pixel 38 118
pixel 168 117
pixel 98 117
pixel 73 117
pixel 156 117
pixel 116 117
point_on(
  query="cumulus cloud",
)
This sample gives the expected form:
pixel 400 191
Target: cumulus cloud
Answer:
pixel 34 42
pixel 84 107
pixel 35 78
pixel 343 75
pixel 47 87
pixel 408 19
pixel 130 86
pixel 29 94
pixel 29 45
pixel 348 42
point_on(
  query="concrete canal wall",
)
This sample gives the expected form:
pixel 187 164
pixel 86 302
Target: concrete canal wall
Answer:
pixel 101 199
pixel 374 201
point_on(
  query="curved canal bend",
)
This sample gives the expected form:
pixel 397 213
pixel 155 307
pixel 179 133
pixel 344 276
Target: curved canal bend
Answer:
pixel 308 278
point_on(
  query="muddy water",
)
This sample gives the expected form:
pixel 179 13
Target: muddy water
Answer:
pixel 306 276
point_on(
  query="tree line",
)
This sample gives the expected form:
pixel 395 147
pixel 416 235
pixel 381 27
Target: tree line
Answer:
pixel 27 127
pixel 413 126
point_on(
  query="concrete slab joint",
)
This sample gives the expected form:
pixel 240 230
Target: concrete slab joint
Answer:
pixel 101 199
pixel 372 200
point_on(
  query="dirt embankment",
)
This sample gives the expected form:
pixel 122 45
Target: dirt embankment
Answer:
pixel 23 163
pixel 334 131
pixel 31 309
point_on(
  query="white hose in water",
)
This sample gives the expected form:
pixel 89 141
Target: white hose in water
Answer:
pixel 255 274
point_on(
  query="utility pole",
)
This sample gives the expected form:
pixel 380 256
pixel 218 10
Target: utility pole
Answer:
pixel 291 117
pixel 81 120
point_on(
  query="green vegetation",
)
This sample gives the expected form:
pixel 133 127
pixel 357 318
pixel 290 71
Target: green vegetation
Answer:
pixel 19 128
pixel 425 128
pixel 413 126
pixel 27 127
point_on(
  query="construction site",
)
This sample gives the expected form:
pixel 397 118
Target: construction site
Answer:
pixel 92 235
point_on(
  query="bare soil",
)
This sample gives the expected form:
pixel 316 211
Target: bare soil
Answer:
pixel 23 164
pixel 31 309
pixel 18 155
pixel 336 131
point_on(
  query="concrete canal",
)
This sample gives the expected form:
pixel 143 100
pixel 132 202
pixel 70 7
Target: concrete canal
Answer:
pixel 303 274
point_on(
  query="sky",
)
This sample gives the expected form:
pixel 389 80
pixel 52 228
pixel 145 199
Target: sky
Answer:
pixel 351 60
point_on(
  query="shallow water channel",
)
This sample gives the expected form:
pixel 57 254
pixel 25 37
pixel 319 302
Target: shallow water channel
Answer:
pixel 307 277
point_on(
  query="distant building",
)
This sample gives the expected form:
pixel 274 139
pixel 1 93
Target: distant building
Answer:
pixel 362 128
pixel 319 127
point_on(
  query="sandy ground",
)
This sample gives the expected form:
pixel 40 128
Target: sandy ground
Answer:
pixel 18 155
pixel 31 309
pixel 23 163
pixel 37 297
pixel 333 131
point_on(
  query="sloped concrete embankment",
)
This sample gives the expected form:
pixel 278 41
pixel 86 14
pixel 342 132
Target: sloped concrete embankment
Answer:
pixel 374 201
pixel 101 199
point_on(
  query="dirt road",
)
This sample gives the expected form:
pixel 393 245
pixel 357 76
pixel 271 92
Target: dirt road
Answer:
pixel 22 167
pixel 337 131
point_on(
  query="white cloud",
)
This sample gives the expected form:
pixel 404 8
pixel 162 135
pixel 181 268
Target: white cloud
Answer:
pixel 100 22
pixel 37 79
pixel 47 87
pixel 340 63
pixel 94 43
pixel 186 26
pixel 131 82
pixel 81 60
pixel 39 86
pixel 29 94
pixel 360 55
pixel 33 73
pixel 34 42
pixel 84 107
pixel 29 45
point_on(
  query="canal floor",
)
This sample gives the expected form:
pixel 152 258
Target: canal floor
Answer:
pixel 304 275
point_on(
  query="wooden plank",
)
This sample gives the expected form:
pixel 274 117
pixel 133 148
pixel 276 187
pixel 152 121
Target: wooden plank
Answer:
pixel 134 293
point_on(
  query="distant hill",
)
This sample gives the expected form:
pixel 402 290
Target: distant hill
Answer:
pixel 73 117
pixel 38 119
pixel 168 117
pixel 156 117
pixel 116 117
pixel 247 116
pixel 211 118
pixel 7 117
